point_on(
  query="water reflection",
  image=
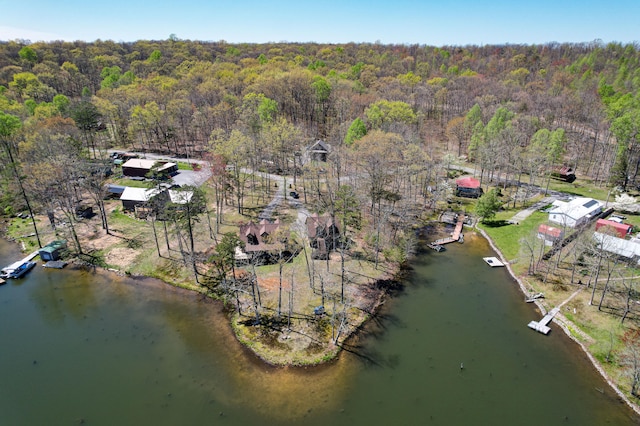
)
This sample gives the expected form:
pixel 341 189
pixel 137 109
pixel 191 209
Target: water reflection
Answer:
pixel 111 350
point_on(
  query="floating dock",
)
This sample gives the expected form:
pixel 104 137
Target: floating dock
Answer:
pixel 534 297
pixel 493 261
pixel 541 326
pixel 56 264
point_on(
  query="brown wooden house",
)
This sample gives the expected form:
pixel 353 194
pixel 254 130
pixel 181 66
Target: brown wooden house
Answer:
pixel 257 237
pixel 324 234
pixel 317 151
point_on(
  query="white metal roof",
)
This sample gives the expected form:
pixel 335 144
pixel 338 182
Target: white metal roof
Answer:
pixel 576 208
pixel 619 246
pixel 180 197
pixel 138 194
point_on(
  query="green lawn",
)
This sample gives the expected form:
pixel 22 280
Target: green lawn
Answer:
pixel 506 236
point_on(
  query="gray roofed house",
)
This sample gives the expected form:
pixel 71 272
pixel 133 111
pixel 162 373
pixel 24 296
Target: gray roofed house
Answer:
pixel 138 167
pixel 317 151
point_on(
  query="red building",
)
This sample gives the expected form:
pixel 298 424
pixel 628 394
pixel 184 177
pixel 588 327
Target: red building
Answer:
pixel 619 229
pixel 468 187
pixel 550 234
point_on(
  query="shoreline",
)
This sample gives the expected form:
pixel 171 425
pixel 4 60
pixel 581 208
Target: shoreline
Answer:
pixel 564 324
pixel 560 319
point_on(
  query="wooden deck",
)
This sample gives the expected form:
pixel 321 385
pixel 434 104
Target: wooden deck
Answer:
pixel 455 236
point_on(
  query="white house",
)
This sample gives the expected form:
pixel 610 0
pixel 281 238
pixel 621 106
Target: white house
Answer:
pixel 575 212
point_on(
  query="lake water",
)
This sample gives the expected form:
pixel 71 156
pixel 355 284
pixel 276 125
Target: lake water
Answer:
pixel 98 349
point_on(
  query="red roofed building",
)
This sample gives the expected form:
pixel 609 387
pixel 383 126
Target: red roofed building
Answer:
pixel 550 234
pixel 619 229
pixel 468 187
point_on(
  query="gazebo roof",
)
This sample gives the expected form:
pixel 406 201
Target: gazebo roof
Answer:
pixel 468 182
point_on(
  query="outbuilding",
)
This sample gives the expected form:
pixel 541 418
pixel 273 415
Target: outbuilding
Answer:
pixel 628 249
pixel 138 167
pixel 616 228
pixel 53 250
pixel 550 234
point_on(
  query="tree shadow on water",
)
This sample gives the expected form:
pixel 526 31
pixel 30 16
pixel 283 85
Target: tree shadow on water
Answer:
pixel 363 348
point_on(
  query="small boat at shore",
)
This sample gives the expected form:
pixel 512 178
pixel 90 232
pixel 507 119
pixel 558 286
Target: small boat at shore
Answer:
pixel 18 271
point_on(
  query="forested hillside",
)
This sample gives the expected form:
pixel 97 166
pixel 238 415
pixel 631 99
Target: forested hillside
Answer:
pixel 511 109
pixel 172 95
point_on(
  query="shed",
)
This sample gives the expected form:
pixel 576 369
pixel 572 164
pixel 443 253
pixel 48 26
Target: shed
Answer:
pixel 619 229
pixel 114 191
pixel 53 250
pixel 468 187
pixel 550 234
pixel 629 249
pixel 565 173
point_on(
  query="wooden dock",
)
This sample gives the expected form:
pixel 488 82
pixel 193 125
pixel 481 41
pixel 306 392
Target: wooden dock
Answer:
pixel 56 264
pixel 455 236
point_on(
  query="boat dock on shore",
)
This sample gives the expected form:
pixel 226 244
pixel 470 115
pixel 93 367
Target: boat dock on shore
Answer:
pixel 9 270
pixel 541 326
pixel 493 261
pixel 455 236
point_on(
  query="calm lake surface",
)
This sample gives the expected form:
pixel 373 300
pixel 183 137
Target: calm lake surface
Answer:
pixel 78 347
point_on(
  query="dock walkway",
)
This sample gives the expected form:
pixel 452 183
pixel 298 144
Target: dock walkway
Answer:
pixel 15 265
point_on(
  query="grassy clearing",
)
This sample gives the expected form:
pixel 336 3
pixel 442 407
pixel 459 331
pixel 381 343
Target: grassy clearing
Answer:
pixel 507 236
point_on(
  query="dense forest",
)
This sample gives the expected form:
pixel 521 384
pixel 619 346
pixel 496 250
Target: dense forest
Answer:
pixel 498 105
